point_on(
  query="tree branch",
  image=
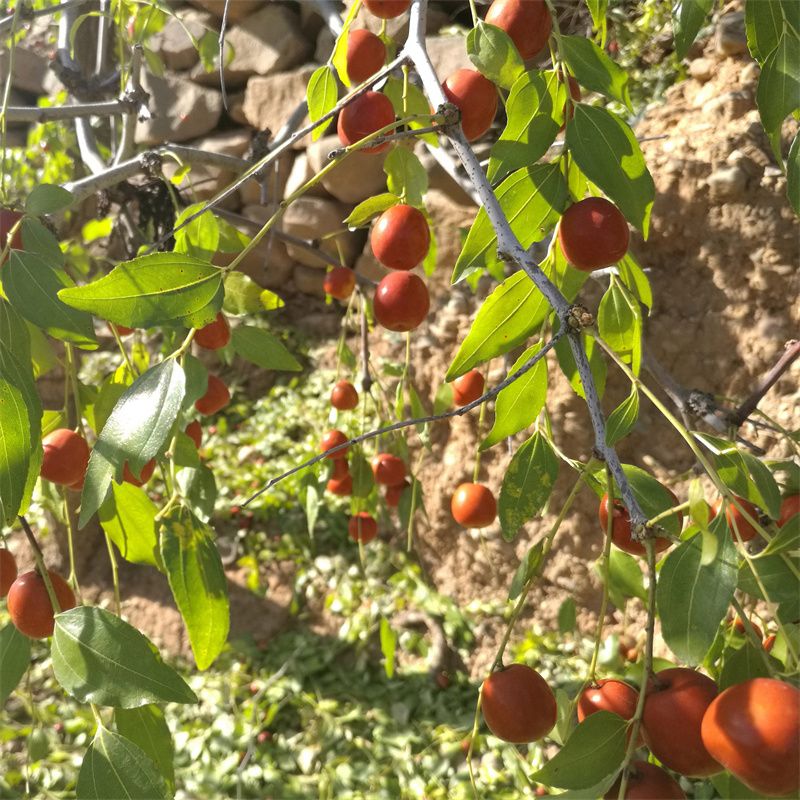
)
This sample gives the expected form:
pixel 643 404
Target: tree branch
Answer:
pixel 510 248
pixel 407 423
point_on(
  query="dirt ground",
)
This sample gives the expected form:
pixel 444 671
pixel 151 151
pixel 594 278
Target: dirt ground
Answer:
pixel 723 260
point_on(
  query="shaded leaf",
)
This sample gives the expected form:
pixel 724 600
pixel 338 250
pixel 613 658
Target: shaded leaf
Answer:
pixel 263 349
pixel 688 18
pixel 146 727
pixel 594 69
pixel 15 655
pixel 622 419
pixel 494 54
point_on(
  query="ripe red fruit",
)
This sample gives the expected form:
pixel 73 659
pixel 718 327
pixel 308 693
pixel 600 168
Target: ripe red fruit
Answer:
pixel 340 282
pixel 341 486
pixel 647 782
pixel 593 234
pixel 769 643
pixel 621 534
pixel 365 55
pixel 527 22
pixel 518 705
pixel 400 238
pixel 468 388
pixel 344 396
pixel 66 456
pixel 194 430
pixel 29 604
pixel 215 335
pixel 387 9
pixel 367 113
pixel 334 439
pixel 738 626
pixel 674 706
pixel 394 493
pixel 736 520
pixel 362 527
pixel 401 301
pixel 147 472
pixel 8 570
pixel 339 468
pixel 215 399
pixel 789 507
pixel 8 219
pixel 476 99
pixel 753 730
pixel 388 470
pixel 608 695
pixel 473 505
pixel 124 331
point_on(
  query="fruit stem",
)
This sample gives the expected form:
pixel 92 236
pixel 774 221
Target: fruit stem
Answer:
pixel 474 11
pixel 73 576
pixel 605 570
pixel 647 672
pixel 668 513
pixel 76 392
pixel 41 568
pixel 124 351
pixel 114 573
pixel 752 635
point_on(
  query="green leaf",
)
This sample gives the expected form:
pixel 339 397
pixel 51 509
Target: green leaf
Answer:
pixel 527 484
pixel 16 445
pixel 634 277
pixel 415 103
pixel 518 405
pixel 567 616
pixel 746 476
pixel 410 503
pixel 199 586
pixel 339 55
pixel 244 296
pixel 511 313
pixel 114 767
pixel 742 664
pixel 595 749
pixel 14 333
pixel 99 658
pixel 33 287
pixel 688 18
pixel 38 239
pixel 405 175
pixel 370 208
pixel 620 325
pixel 778 93
pixel 494 54
pixel 198 487
pixel 532 200
pixel 533 112
pixel 528 568
pixel 793 175
pixel 694 598
pixel 787 539
pixel 653 497
pixel 763 20
pixel 624 577
pixel 263 349
pixel 199 237
pixel 363 479
pixel 322 95
pixel 136 431
pixel 150 290
pixel 568 366
pixel 388 646
pixel 146 727
pixel 128 517
pixel 46 198
pixel 623 418
pixel 15 655
pixel 770 578
pixel 594 70
pixel 598 10
pixel 606 150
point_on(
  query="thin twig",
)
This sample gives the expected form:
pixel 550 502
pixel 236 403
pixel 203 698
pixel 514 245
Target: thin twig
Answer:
pixel 27 13
pixel 221 43
pixel 407 423
pixel 790 353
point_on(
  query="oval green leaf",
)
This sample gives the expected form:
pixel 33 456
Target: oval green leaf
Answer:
pixel 594 70
pixel 494 54
pixel 15 657
pixel 146 727
pixel 263 349
pixel 322 95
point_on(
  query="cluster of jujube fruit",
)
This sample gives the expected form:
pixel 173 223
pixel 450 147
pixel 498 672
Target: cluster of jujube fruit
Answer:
pixel 751 729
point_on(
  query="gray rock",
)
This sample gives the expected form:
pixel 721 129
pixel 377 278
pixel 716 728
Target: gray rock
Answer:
pixel 172 42
pixel 237 9
pixel 309 280
pixel 727 183
pixel 31 69
pixel 182 110
pixel 356 178
pixel 264 43
pixel 730 38
pixel 311 218
pixel 702 69
pixel 270 101
pixel 268 264
pixel 275 180
pixel 731 105
pixel 299 175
